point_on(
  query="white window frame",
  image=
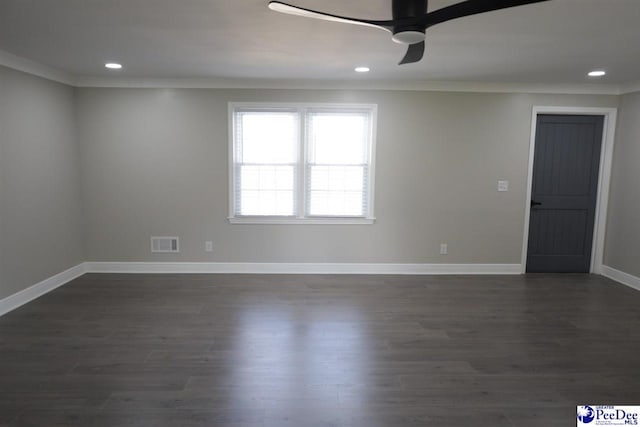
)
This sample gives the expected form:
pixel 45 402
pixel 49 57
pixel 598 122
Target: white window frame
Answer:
pixel 369 217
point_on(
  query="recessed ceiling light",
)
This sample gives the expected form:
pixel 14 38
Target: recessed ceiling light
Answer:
pixel 597 73
pixel 362 69
pixel 113 65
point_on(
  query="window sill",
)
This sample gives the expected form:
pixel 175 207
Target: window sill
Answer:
pixel 301 221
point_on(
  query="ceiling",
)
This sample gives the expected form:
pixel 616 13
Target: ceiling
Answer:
pixel 554 42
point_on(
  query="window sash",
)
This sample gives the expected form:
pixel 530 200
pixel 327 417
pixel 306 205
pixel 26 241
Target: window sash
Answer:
pixel 277 189
pixel 330 189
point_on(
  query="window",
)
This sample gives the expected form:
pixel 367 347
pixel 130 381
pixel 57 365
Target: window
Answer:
pixel 302 163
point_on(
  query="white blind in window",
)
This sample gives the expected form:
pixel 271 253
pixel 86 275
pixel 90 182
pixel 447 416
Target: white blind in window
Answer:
pixel 265 158
pixel 338 156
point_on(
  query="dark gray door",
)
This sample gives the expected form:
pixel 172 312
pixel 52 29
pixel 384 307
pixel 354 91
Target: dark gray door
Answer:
pixel 564 194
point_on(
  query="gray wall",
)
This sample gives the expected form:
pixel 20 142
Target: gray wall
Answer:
pixel 40 205
pixel 154 162
pixel 623 229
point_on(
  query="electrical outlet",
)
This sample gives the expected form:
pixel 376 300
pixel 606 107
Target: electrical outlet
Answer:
pixel 503 185
pixel 443 249
pixel 208 246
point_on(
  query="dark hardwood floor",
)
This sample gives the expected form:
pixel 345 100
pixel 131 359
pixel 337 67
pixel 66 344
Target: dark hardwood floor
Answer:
pixel 352 351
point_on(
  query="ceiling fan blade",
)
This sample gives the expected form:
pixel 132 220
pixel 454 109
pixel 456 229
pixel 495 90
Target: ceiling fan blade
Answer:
pixel 471 7
pixel 308 13
pixel 415 52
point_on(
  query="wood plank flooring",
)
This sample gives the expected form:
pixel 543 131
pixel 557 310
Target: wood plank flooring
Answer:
pixel 343 351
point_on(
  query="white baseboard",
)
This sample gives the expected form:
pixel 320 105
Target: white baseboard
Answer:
pixel 47 285
pixel 16 300
pixel 299 268
pixel 20 298
pixel 621 277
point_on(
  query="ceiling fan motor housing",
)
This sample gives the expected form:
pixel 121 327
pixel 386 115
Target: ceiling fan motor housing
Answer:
pixel 404 10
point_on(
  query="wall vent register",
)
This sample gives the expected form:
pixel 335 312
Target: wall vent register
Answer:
pixel 165 244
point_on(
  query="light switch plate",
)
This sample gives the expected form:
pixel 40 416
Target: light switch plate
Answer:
pixel 503 185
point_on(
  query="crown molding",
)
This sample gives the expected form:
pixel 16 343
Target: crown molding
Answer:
pixel 28 66
pixel 630 88
pixel 424 86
